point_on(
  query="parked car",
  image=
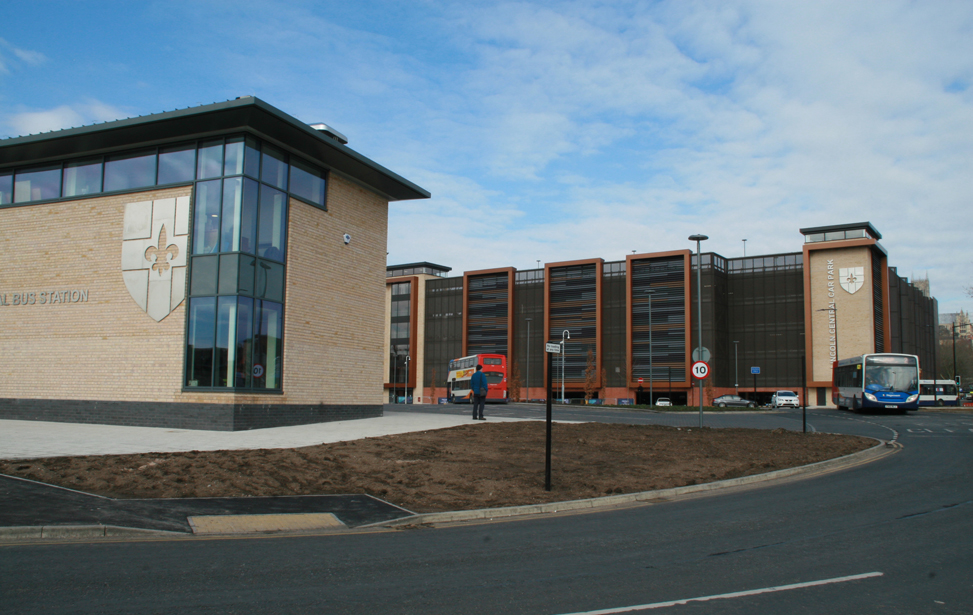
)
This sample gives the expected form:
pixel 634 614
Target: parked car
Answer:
pixel 663 401
pixel 732 400
pixel 783 399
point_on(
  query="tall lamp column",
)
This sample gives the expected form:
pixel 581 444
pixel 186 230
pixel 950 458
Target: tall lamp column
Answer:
pixel 649 293
pixel 736 367
pixel 568 334
pixel 405 392
pixel 699 312
pixel 395 374
pixel 527 396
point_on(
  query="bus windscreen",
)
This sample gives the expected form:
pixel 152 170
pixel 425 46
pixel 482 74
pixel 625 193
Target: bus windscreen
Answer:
pixel 893 374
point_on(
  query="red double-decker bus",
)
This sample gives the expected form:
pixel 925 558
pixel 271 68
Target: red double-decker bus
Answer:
pixel 461 370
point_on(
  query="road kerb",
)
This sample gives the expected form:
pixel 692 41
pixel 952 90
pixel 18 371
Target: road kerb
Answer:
pixel 831 465
pixel 69 532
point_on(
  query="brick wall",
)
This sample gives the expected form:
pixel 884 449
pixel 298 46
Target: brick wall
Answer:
pixel 107 349
pixel 334 321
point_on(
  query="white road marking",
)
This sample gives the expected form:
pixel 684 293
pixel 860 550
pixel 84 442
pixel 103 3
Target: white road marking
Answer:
pixel 749 592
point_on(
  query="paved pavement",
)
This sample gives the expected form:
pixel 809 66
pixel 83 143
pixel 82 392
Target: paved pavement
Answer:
pixel 32 439
pixel 33 510
pixel 30 510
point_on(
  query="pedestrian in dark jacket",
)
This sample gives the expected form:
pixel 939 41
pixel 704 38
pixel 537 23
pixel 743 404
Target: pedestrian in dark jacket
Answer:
pixel 479 385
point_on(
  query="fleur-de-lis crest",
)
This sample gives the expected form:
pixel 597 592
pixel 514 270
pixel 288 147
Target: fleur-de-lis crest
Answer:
pixel 163 254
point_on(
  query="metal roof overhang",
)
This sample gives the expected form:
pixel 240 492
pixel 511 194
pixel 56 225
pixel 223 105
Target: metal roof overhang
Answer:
pixel 247 114
pixel 867 226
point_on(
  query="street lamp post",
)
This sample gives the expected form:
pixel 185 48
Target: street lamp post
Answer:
pixel 699 312
pixel 395 374
pixel 833 308
pixel 744 248
pixel 736 367
pixel 563 333
pixel 527 396
pixel 954 348
pixel 649 294
pixel 954 351
pixel 405 396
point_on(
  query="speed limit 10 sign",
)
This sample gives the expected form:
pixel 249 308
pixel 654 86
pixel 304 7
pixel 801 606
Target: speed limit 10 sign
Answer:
pixel 700 369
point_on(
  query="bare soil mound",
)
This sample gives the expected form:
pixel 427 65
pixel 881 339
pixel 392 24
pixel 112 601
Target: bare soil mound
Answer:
pixel 480 465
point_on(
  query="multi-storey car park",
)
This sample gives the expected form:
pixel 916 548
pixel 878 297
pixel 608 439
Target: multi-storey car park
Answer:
pixel 773 314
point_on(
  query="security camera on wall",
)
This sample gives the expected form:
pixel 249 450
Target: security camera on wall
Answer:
pixel 347 238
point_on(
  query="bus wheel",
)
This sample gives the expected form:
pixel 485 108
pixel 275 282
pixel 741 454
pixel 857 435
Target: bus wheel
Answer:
pixel 939 402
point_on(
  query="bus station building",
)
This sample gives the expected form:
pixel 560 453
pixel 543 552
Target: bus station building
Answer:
pixel 218 267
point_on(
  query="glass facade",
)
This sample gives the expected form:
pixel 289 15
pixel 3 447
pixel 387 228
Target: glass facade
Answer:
pixel 238 266
pixel 400 330
pixel 178 164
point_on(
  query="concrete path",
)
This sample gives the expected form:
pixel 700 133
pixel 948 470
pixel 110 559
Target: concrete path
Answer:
pixel 33 439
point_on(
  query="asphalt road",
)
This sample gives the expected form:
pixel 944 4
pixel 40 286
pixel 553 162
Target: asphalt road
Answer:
pixel 892 536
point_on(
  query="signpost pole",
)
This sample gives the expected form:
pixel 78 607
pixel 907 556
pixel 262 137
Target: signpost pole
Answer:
pixel 756 370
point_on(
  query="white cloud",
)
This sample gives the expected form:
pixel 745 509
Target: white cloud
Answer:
pixel 25 56
pixel 65 116
pixel 744 122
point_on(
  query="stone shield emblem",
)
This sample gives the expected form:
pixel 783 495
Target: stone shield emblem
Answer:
pixel 155 242
pixel 851 278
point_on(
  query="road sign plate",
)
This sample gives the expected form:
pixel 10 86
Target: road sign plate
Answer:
pixel 754 370
pixel 552 348
pixel 705 355
pixel 700 370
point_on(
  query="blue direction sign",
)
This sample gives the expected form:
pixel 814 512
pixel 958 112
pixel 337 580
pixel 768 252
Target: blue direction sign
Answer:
pixel 754 370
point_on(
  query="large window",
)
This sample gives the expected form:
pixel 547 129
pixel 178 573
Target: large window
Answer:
pixel 178 164
pixel 37 184
pixel 6 188
pixel 400 329
pixel 82 177
pixel 128 171
pixel 238 266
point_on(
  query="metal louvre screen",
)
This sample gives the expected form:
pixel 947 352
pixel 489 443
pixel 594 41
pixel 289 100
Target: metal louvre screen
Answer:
pixel 528 354
pixel 613 324
pixel 574 307
pixel 666 277
pixel 444 328
pixel 895 310
pixel 488 301
pixel 878 303
pixel 766 301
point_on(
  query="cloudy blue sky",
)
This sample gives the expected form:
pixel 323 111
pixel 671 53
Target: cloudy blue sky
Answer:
pixel 561 130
